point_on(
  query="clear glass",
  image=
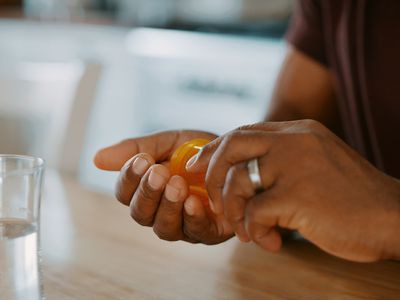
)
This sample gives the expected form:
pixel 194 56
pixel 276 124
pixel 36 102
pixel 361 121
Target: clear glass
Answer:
pixel 20 193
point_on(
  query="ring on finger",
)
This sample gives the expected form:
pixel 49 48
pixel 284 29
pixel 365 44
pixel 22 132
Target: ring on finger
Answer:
pixel 255 176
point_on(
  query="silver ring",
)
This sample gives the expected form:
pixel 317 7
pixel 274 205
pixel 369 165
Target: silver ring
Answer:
pixel 254 175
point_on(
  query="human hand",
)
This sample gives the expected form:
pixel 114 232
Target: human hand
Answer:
pixel 314 183
pixel 156 198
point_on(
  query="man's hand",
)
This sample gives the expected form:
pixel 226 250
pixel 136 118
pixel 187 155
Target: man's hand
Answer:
pixel 314 183
pixel 155 198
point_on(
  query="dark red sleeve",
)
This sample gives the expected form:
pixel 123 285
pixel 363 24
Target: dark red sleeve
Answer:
pixel 306 32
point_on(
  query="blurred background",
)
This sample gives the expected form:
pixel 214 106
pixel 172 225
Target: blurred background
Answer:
pixel 78 75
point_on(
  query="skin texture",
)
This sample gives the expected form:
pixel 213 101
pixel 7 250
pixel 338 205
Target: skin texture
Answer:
pixel 157 199
pixel 314 183
pixel 295 97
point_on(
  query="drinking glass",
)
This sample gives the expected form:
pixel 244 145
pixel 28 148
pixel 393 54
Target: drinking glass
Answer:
pixel 20 193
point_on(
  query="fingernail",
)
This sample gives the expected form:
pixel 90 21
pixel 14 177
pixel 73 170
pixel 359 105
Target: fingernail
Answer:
pixel 191 162
pixel 140 166
pixel 156 181
pixel 172 193
pixel 189 206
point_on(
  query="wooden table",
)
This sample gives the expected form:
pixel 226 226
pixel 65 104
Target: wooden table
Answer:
pixel 93 250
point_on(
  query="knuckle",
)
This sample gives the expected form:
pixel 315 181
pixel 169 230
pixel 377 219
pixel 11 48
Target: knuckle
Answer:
pixel 189 233
pixel 313 125
pixel 140 217
pixel 165 235
pixel 193 231
pixel 248 127
pixel 235 135
pixel 310 139
pixel 310 123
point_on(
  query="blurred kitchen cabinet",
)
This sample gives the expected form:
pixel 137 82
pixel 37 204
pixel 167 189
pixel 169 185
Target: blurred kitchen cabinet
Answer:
pixel 44 108
pixel 232 12
pixel 266 10
pixel 161 13
pixel 203 81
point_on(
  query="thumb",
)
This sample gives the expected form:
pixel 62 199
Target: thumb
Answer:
pixel 159 146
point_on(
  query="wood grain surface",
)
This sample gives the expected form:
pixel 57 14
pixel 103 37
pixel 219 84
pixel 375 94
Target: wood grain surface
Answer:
pixel 91 249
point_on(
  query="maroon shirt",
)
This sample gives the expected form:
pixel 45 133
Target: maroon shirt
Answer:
pixel 359 41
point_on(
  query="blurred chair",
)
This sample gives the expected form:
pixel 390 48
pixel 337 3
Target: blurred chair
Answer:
pixel 44 109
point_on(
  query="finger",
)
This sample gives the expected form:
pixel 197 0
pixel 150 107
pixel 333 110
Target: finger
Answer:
pixel 239 147
pixel 197 165
pixel 130 176
pixel 200 162
pixel 268 209
pixel 238 189
pixel 197 222
pixel 157 145
pixel 236 192
pixel 264 214
pixel 266 237
pixel 160 146
pixel 168 221
pixel 147 197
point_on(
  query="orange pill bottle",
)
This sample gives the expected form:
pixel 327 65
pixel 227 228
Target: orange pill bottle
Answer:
pixel 179 159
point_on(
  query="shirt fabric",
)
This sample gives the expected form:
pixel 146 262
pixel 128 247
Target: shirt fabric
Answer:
pixel 359 41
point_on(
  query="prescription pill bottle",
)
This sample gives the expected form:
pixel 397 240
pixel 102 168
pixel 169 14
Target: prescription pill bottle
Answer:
pixel 179 159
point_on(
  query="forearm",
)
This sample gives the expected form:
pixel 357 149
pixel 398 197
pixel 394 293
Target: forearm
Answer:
pixel 304 90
